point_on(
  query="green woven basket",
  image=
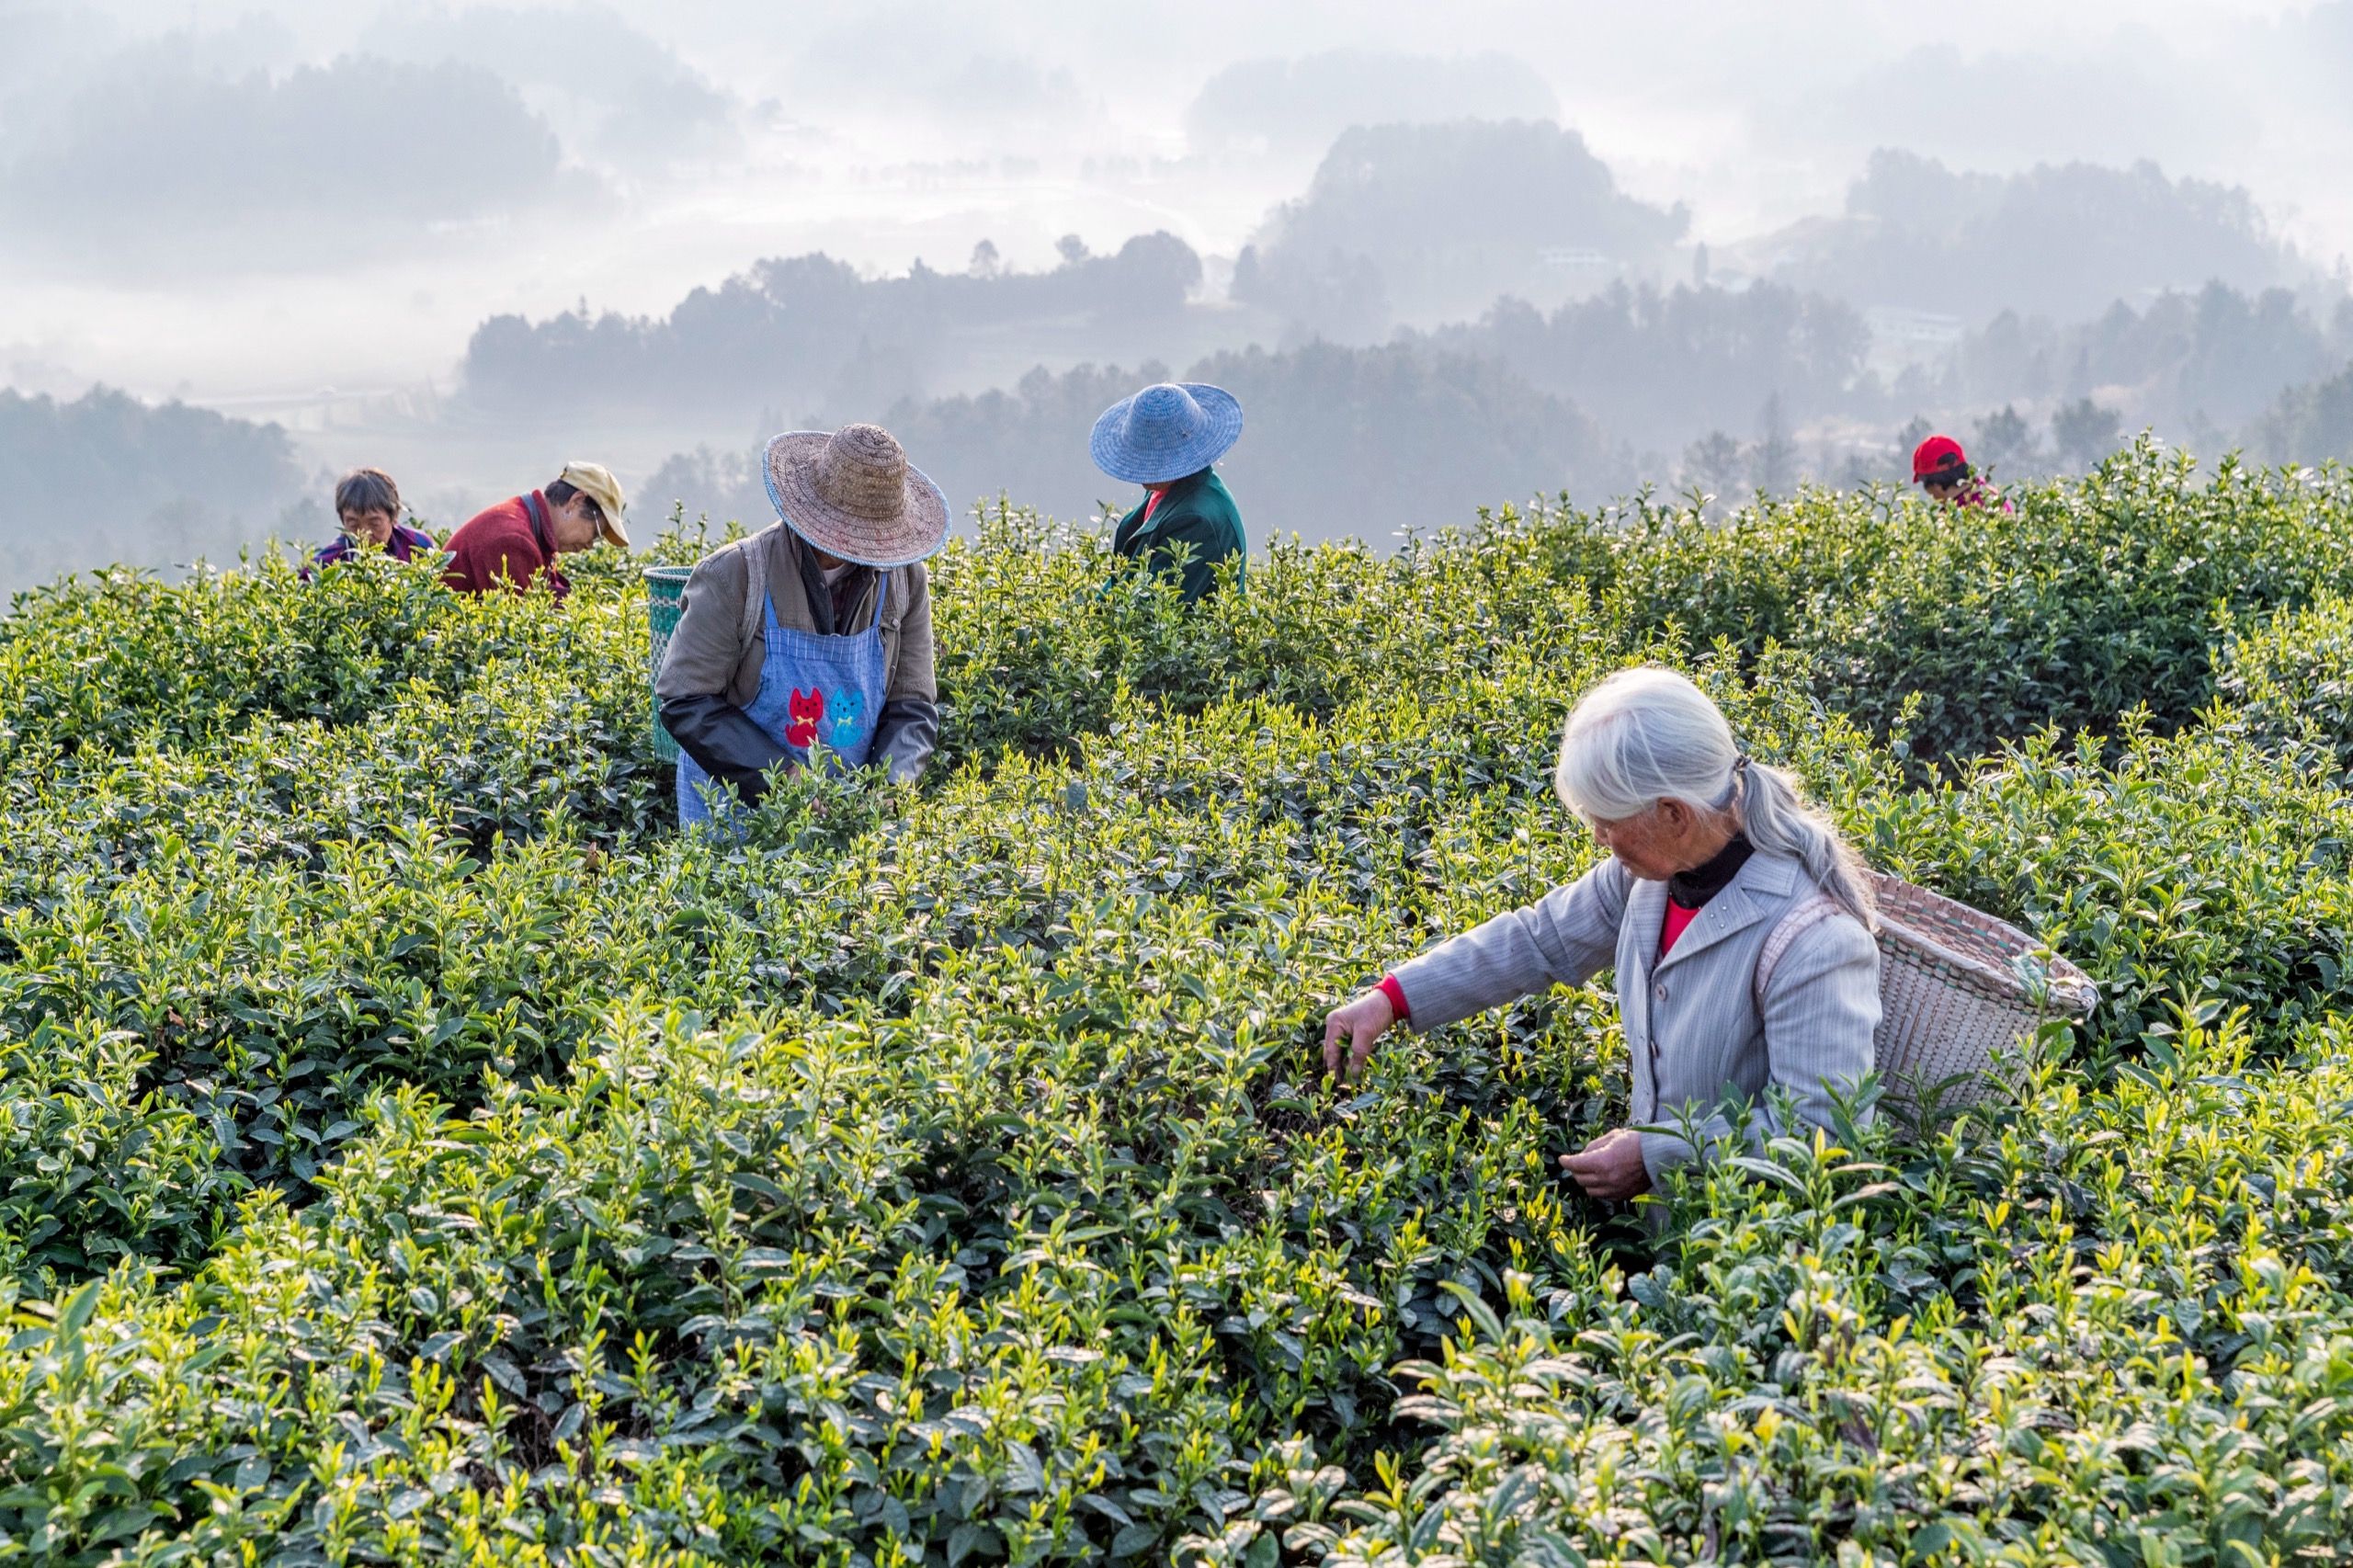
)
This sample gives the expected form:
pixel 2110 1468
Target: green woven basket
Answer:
pixel 665 586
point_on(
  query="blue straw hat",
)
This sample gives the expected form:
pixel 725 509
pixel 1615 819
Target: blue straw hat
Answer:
pixel 1166 432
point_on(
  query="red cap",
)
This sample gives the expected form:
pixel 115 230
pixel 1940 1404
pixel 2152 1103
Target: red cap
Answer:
pixel 1936 452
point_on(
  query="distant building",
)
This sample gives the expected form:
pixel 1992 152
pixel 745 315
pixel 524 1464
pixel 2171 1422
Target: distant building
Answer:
pixel 1577 259
pixel 1896 324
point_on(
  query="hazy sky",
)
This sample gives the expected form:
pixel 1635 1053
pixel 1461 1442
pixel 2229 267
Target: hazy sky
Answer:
pixel 247 201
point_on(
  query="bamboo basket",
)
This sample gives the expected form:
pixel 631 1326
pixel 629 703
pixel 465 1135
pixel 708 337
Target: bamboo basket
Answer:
pixel 1956 989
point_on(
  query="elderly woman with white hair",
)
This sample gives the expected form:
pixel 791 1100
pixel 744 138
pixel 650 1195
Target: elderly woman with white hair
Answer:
pixel 1713 857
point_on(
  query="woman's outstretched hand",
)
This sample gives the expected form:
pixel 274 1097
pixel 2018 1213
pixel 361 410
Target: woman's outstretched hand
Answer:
pixel 1610 1168
pixel 1360 1023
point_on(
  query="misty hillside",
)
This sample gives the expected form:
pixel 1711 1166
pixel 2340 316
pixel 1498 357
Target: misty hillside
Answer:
pixel 1418 222
pixel 2064 240
pixel 108 478
pixel 272 171
pixel 1446 262
pixel 793 332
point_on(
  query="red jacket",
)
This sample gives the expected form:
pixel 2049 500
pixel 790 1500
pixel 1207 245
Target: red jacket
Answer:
pixel 506 547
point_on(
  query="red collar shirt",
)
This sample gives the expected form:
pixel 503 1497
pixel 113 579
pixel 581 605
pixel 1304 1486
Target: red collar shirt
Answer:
pixel 509 546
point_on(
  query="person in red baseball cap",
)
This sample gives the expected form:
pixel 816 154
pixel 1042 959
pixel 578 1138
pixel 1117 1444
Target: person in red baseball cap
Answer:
pixel 1942 469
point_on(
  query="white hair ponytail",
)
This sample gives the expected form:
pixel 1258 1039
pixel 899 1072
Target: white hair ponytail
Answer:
pixel 1774 814
pixel 1646 735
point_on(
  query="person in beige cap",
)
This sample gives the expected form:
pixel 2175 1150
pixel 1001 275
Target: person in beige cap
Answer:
pixel 814 636
pixel 515 543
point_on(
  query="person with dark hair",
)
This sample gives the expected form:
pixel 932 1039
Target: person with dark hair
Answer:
pixel 367 504
pixel 1165 438
pixel 1941 469
pixel 515 543
pixel 814 636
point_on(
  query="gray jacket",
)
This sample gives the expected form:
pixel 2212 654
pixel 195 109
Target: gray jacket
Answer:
pixel 1693 1026
pixel 711 671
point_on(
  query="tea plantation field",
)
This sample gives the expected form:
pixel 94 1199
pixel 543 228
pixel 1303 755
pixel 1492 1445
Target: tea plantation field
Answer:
pixel 412 1149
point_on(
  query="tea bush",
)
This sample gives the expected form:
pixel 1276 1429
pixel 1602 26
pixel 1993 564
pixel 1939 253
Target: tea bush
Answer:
pixel 415 1150
pixel 2287 681
pixel 2087 599
pixel 2191 868
pixel 2118 1329
pixel 1318 628
pixel 1946 631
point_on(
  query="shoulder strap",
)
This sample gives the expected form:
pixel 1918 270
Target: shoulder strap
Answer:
pixel 755 593
pixel 1802 918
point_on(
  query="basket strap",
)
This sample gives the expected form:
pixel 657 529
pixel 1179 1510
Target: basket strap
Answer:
pixel 1800 919
pixel 755 596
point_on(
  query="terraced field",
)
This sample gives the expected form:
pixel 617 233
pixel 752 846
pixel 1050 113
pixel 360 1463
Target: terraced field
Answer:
pixel 412 1149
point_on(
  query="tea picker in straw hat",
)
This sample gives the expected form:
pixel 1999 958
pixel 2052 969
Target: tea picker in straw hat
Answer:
pixel 1165 438
pixel 1710 855
pixel 812 636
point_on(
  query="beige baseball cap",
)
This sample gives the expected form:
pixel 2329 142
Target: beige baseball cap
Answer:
pixel 597 481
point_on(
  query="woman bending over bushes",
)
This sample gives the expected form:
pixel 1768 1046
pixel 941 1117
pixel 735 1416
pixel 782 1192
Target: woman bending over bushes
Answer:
pixel 1710 854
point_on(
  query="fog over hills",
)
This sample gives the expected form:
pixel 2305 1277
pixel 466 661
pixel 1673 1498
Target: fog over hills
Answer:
pixel 1448 259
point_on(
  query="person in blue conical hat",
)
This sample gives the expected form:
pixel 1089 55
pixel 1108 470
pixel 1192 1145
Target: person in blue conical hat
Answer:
pixel 1165 438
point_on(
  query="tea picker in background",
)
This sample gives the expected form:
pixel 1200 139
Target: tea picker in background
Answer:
pixel 815 629
pixel 515 543
pixel 1710 854
pixel 367 504
pixel 1165 438
pixel 1942 469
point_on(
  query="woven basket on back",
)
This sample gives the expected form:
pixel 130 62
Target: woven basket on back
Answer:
pixel 1955 987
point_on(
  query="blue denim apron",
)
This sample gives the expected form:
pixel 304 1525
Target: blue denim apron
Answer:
pixel 812 689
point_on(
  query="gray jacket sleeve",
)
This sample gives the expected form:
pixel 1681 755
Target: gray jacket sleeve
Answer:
pixel 907 731
pixel 698 670
pixel 1565 939
pixel 906 737
pixel 1820 1012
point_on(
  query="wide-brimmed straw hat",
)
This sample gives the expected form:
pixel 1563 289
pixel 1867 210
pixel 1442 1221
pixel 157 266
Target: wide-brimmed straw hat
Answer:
pixel 854 495
pixel 1166 432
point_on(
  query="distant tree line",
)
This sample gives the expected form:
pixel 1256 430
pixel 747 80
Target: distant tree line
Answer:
pixel 1559 277
pixel 2062 241
pixel 1658 365
pixel 1662 368
pixel 2207 360
pixel 795 332
pixel 107 477
pixel 1417 224
pixel 1340 441
pixel 2313 423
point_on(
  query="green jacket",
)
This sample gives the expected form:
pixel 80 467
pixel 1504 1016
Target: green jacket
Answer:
pixel 1195 511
